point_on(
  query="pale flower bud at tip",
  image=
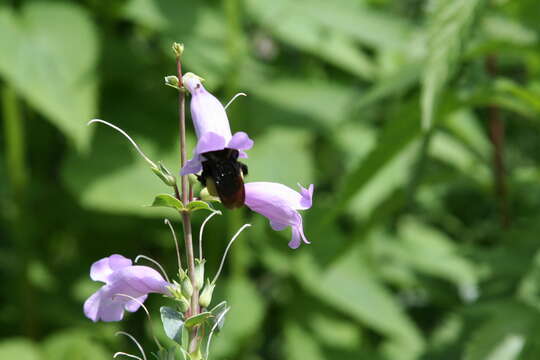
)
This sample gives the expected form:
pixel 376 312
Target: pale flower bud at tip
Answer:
pixel 178 49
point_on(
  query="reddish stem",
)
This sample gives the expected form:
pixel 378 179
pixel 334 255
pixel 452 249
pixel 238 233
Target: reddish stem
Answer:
pixel 497 135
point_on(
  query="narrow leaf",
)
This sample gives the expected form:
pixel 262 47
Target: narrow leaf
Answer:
pixel 198 319
pixel 166 200
pixel 449 31
pixel 199 205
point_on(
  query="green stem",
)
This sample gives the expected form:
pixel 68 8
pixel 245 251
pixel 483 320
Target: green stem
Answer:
pixel 497 135
pixel 235 49
pixel 18 179
pixel 419 168
pixel 14 139
pixel 235 42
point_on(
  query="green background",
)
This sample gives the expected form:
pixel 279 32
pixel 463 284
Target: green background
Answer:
pixel 416 252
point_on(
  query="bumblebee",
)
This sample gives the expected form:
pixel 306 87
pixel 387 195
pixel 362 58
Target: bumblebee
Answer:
pixel 223 176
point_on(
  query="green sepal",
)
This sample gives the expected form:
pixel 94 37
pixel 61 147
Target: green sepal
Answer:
pixel 166 200
pixel 199 273
pixel 187 287
pixel 198 319
pixel 199 205
pixel 205 195
pixel 196 355
pixel 206 295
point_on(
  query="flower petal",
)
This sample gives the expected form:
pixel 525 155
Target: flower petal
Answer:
pixel 141 279
pixel 192 166
pixel 91 307
pixel 207 112
pixel 296 239
pixel 210 141
pixel 123 284
pixel 307 197
pixel 102 269
pixel 280 205
pixel 240 141
pixel 277 226
pixel 133 305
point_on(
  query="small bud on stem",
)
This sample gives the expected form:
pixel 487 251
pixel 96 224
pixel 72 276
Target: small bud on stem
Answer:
pixel 199 273
pixel 178 49
pixel 172 81
pixel 206 295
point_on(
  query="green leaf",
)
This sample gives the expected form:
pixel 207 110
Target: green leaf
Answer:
pixel 450 150
pixel 70 345
pixel 504 29
pixel 199 205
pixel 112 178
pixel 198 319
pixel 432 252
pixel 299 345
pixel 166 200
pixel 311 35
pixel 392 175
pixel 335 332
pixel 309 99
pixel 281 148
pixel 20 349
pixel 508 87
pixel 509 334
pixel 168 354
pixel 349 285
pixel 393 141
pixel 173 323
pixel 203 30
pixel 449 30
pixel 53 70
pixel 340 17
pixel 145 12
pixel 241 330
pixel 392 84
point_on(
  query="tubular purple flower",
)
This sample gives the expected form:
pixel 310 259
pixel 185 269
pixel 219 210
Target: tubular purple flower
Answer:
pixel 211 126
pixel 280 204
pixel 121 278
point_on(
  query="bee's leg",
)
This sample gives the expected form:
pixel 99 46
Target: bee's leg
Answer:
pixel 204 174
pixel 244 168
pixel 202 179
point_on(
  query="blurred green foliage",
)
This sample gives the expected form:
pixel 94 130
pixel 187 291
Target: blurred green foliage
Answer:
pixel 416 252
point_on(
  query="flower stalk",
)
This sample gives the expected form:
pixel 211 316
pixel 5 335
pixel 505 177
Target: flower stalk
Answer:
pixel 186 197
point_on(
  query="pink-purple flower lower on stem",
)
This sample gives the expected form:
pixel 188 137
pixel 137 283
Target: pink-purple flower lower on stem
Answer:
pixel 280 204
pixel 126 288
pixel 211 126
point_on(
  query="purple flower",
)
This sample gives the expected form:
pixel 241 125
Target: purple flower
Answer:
pixel 121 278
pixel 211 126
pixel 280 204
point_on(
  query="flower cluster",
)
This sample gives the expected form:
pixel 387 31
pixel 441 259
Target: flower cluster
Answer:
pixel 215 164
pixel 277 202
